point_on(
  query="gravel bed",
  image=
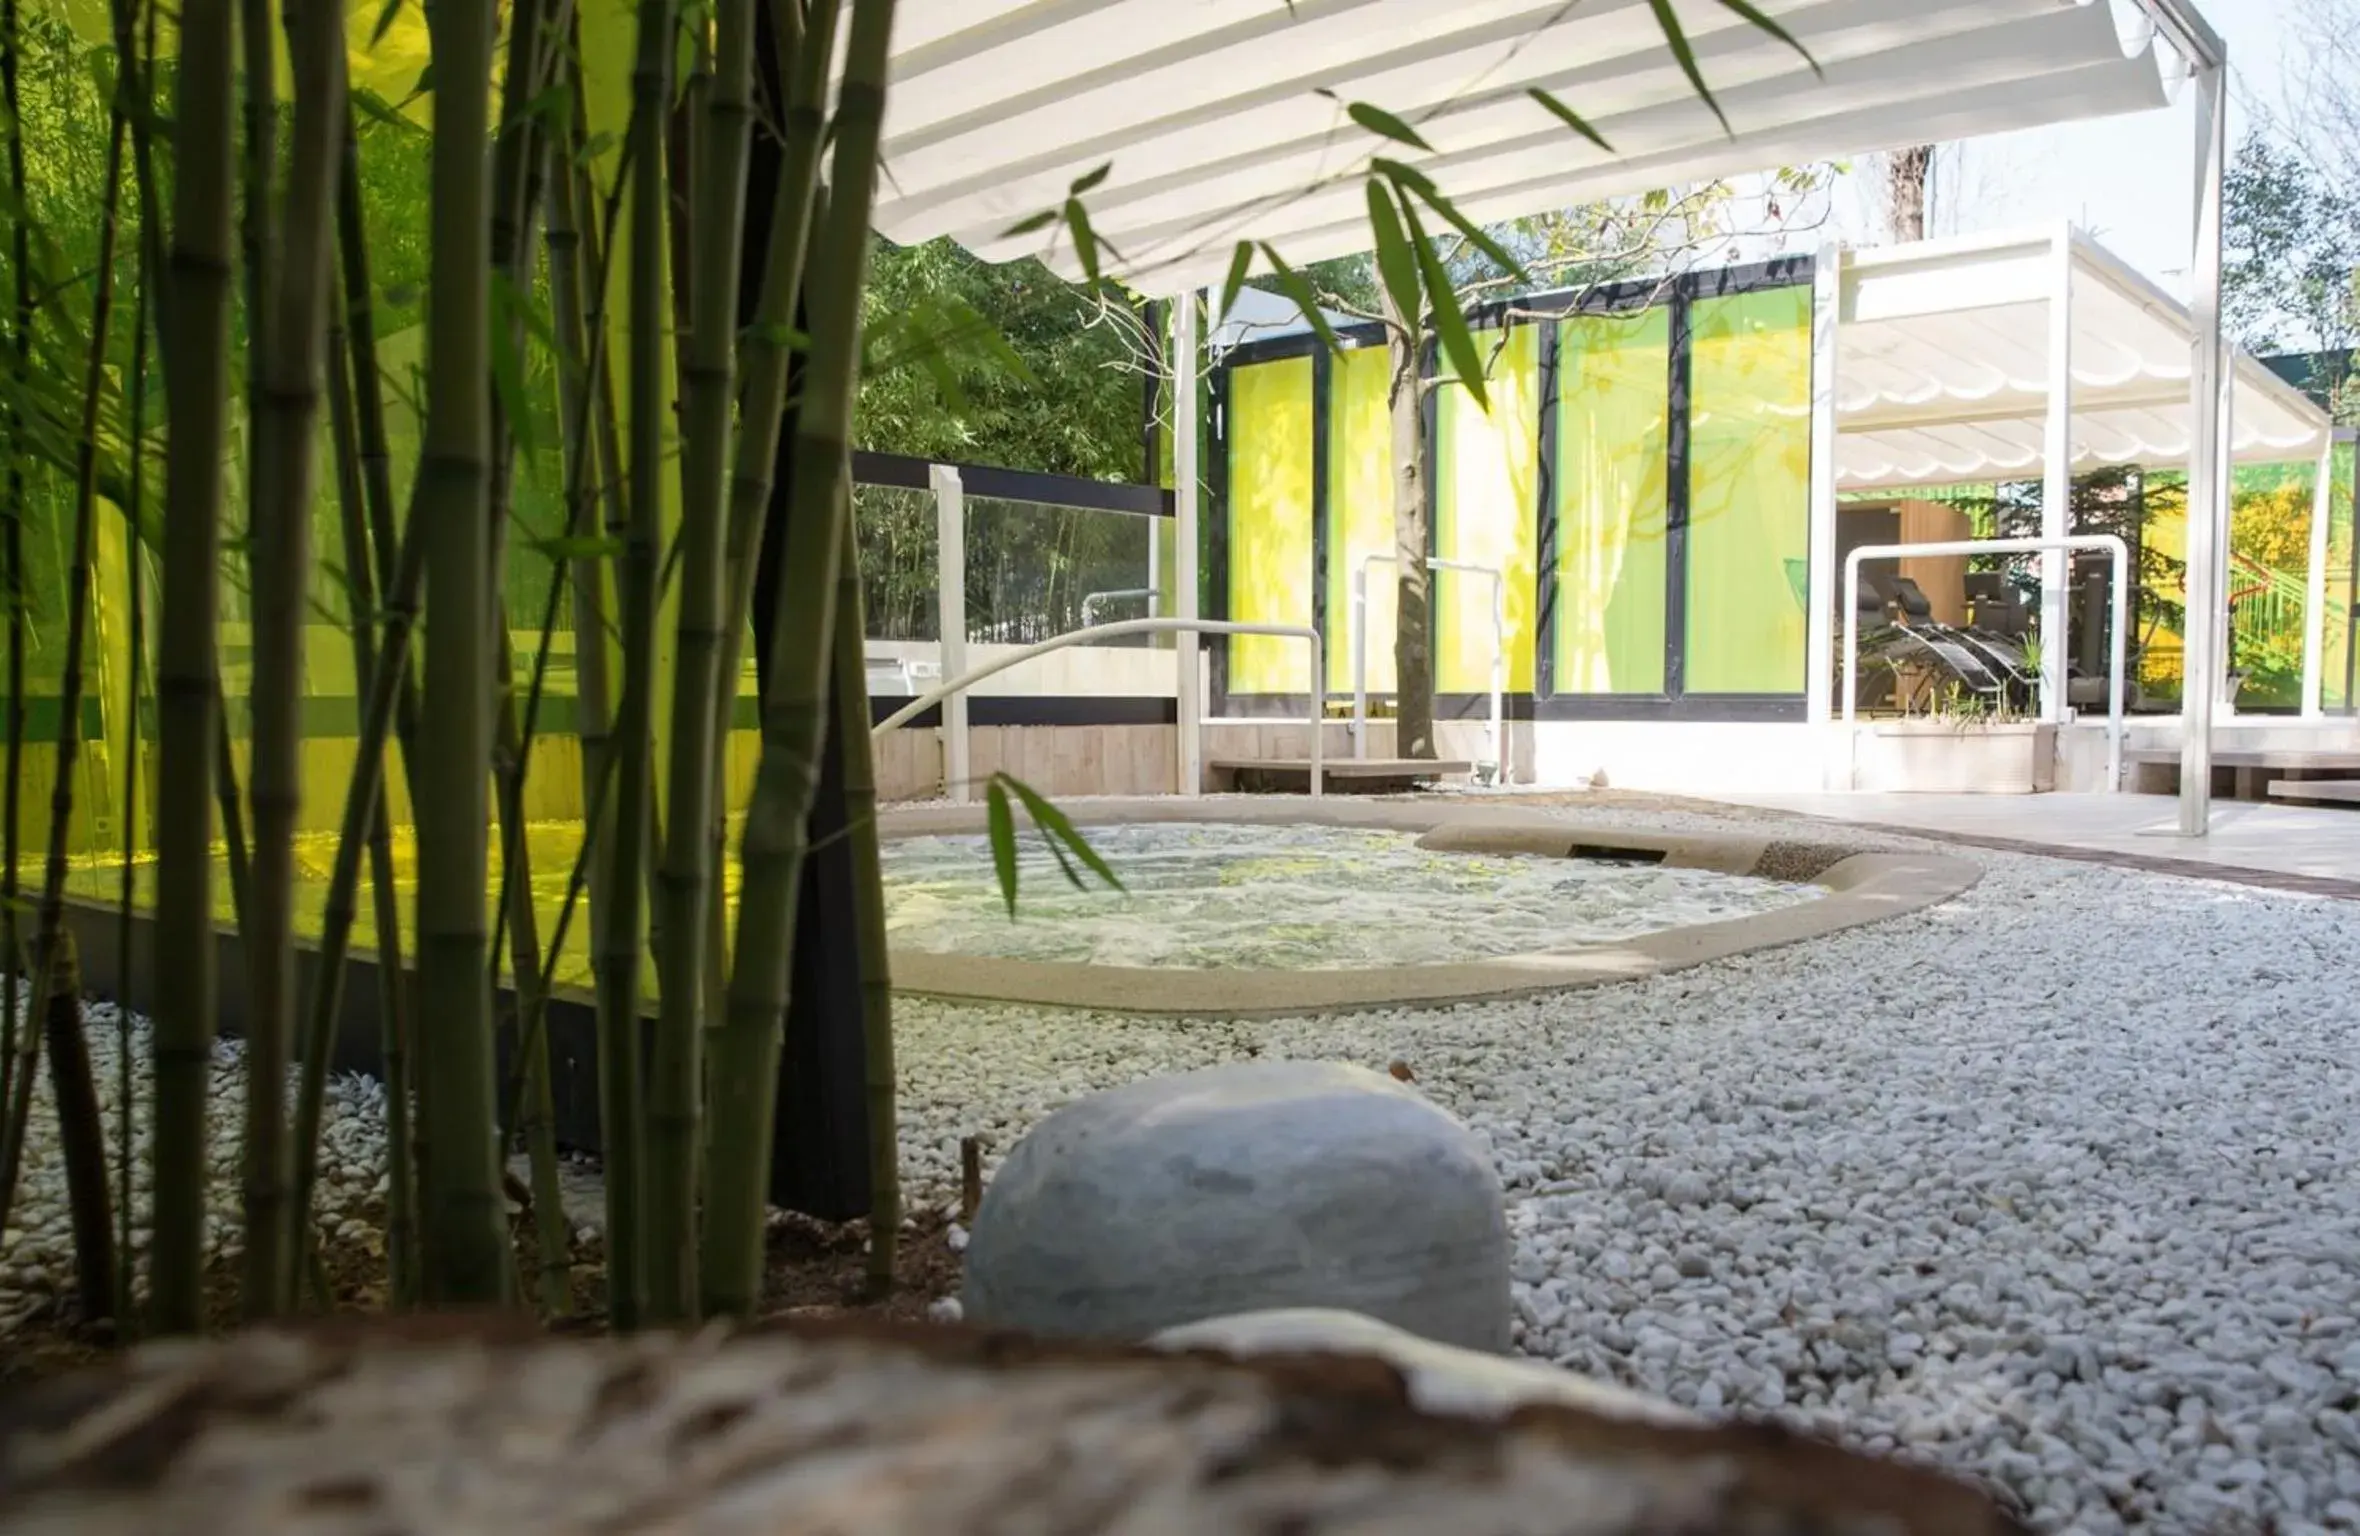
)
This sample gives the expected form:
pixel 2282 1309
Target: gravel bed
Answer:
pixel 37 1249
pixel 2054 1185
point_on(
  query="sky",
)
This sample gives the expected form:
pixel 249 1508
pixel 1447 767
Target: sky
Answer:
pixel 2129 181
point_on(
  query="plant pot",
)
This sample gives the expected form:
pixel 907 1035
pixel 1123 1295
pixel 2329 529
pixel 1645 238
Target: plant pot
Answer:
pixel 1955 757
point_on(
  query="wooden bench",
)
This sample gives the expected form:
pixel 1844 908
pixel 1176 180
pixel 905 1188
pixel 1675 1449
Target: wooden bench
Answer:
pixel 2341 791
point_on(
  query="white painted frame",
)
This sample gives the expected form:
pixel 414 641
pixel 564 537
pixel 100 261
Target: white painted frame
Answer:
pixel 1499 652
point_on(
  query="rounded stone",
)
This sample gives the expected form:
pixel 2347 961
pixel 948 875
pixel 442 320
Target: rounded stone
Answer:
pixel 1244 1188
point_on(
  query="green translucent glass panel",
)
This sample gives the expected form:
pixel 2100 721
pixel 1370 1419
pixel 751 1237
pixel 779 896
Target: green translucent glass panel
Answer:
pixel 1486 469
pixel 1612 465
pixel 1270 522
pixel 1360 513
pixel 2335 651
pixel 1749 468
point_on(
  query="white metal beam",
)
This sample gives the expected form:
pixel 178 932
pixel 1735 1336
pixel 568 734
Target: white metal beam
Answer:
pixel 2208 468
pixel 1827 289
pixel 2056 491
pixel 950 607
pixel 1186 499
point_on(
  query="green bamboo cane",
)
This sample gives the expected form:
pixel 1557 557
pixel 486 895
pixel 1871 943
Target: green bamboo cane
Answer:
pixel 462 1200
pixel 620 944
pixel 804 55
pixel 285 473
pixel 188 683
pixel 684 882
pixel 12 1023
pixel 392 987
pixel 745 1055
pixel 81 1129
pixel 868 918
pixel 134 568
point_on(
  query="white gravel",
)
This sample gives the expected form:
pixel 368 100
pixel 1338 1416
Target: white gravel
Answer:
pixel 37 1249
pixel 2055 1185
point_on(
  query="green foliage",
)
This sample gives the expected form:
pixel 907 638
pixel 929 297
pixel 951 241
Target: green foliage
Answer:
pixel 995 365
pixel 2293 239
pixel 1059 835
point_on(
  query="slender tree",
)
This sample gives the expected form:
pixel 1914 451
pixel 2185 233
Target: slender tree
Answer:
pixel 467 1247
pixel 188 684
pixel 744 1078
pixel 14 1032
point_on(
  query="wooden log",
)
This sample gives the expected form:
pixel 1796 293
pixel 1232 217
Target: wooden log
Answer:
pixel 472 1427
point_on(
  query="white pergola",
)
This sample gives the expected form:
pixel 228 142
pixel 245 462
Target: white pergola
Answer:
pixel 1222 120
pixel 1973 360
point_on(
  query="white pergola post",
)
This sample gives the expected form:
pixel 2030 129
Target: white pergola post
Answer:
pixel 2315 586
pixel 2208 467
pixel 1827 290
pixel 950 608
pixel 2056 490
pixel 1184 514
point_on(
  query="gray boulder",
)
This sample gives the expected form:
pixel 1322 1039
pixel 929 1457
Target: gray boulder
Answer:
pixel 1245 1188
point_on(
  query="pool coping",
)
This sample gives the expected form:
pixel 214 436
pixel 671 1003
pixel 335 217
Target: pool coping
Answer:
pixel 1862 886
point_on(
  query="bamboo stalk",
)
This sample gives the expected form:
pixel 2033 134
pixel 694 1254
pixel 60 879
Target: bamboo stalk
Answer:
pixel 868 918
pixel 188 683
pixel 462 1199
pixel 134 568
pixel 744 1075
pixel 16 1033
pixel 620 944
pixel 285 468
pixel 685 881
pixel 804 51
pixel 392 983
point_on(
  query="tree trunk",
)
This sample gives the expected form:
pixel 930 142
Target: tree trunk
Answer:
pixel 1909 175
pixel 81 1130
pixel 196 372
pixel 1413 639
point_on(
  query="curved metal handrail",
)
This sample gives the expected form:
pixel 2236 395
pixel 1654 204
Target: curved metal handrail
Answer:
pixel 1083 636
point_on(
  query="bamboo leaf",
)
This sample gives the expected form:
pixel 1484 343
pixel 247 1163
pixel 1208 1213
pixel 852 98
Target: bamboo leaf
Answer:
pixel 1769 24
pixel 1033 225
pixel 1065 865
pixel 1385 125
pixel 1241 261
pixel 1085 239
pixel 1571 118
pixel 1056 826
pixel 1475 234
pixel 579 546
pixel 1002 823
pixel 1397 264
pixel 1298 288
pixel 1450 321
pixel 1090 182
pixel 1676 37
pixel 385 20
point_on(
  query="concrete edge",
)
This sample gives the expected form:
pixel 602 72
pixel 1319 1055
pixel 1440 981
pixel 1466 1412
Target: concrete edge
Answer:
pixel 1862 887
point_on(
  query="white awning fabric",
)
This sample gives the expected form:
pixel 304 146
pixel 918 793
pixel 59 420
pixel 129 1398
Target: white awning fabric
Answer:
pixel 1942 369
pixel 1221 120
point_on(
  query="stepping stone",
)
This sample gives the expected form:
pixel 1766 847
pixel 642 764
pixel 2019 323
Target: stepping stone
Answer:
pixel 1244 1188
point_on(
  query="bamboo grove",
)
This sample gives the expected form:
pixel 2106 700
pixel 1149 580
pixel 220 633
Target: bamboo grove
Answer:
pixel 379 342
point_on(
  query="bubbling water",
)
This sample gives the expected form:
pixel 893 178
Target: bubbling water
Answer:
pixel 1309 898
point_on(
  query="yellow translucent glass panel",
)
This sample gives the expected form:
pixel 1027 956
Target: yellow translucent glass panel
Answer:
pixel 1749 469
pixel 1486 468
pixel 1612 443
pixel 1269 424
pixel 1360 513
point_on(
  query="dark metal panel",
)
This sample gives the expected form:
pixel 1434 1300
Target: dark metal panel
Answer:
pixel 1213 535
pixel 1649 706
pixel 1044 709
pixel 1675 599
pixel 1322 385
pixel 1544 517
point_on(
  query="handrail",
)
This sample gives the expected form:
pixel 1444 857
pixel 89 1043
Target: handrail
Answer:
pixel 1499 652
pixel 2050 657
pixel 1165 626
pixel 1091 601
